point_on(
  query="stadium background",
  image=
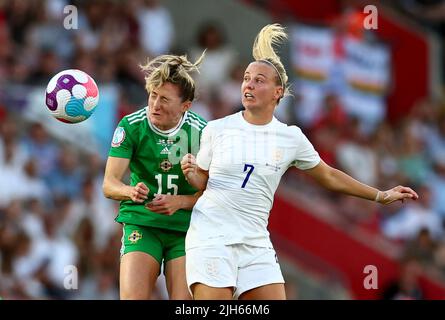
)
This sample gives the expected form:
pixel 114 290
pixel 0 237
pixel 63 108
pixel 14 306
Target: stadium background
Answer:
pixel 371 101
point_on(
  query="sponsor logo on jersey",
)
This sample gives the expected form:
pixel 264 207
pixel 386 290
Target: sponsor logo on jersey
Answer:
pixel 273 166
pixel 118 137
pixel 165 165
pixel 165 151
pixel 165 142
pixel 135 236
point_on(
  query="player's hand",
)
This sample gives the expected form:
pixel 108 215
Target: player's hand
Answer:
pixel 139 193
pixel 165 204
pixel 188 165
pixel 399 193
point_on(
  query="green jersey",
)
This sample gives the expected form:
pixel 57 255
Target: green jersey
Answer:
pixel 155 158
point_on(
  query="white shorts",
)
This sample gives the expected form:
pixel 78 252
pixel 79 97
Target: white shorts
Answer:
pixel 240 266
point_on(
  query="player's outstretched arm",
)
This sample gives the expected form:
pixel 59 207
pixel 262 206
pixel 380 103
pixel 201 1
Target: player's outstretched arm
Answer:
pixel 114 188
pixel 195 176
pixel 336 180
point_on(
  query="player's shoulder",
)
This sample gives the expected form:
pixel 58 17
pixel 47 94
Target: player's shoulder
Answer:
pixel 193 115
pixel 292 128
pixel 224 122
pixel 195 120
pixel 289 131
pixel 135 119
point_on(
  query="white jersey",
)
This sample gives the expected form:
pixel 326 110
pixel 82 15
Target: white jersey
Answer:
pixel 245 164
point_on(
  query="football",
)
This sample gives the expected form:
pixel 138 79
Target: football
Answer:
pixel 72 96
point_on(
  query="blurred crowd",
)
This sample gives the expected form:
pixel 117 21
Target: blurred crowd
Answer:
pixel 52 211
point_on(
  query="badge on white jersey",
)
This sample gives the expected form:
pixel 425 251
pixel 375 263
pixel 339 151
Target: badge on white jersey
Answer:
pixel 277 155
pixel 118 137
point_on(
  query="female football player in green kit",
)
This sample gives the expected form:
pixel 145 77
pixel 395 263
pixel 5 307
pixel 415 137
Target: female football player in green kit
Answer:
pixel 156 206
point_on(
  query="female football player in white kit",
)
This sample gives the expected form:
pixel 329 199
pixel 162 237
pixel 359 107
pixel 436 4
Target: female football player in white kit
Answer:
pixel 240 164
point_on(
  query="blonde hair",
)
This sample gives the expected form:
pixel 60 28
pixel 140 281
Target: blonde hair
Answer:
pixel 263 52
pixel 174 69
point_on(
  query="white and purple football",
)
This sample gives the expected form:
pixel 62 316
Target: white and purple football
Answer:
pixel 72 96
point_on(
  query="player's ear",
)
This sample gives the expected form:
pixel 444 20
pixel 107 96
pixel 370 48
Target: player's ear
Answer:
pixel 186 105
pixel 279 92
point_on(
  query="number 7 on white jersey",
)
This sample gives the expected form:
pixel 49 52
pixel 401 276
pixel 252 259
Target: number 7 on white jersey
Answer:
pixel 250 168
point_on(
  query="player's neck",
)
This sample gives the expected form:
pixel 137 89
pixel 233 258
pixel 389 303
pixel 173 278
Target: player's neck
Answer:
pixel 168 128
pixel 258 118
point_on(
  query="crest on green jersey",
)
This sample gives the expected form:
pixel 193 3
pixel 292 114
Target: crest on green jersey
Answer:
pixel 165 165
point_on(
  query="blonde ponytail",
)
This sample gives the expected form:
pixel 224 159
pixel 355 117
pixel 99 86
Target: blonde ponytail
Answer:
pixel 263 51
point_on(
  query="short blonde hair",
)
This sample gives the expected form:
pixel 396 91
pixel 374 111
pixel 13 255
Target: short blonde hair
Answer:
pixel 174 69
pixel 263 51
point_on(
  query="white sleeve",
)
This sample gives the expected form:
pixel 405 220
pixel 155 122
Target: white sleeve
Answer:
pixel 205 153
pixel 306 157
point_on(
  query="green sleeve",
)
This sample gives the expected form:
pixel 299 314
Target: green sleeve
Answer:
pixel 122 145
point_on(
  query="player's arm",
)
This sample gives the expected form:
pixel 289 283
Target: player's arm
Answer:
pixel 336 180
pixel 114 188
pixel 195 176
pixel 169 204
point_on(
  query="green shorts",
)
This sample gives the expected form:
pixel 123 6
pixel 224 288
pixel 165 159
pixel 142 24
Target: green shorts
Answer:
pixel 161 244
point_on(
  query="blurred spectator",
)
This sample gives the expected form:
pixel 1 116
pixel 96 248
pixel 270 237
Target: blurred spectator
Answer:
pixel 33 219
pixel 156 27
pixel 19 72
pixel 5 50
pixel 435 140
pixel 383 141
pixel 12 152
pixel 32 187
pixel 85 61
pixel 41 147
pixel 429 12
pixel 406 287
pixel 47 32
pixel 66 178
pixel 437 183
pixel 230 89
pixel 408 222
pixel 20 15
pixel 359 214
pixel 203 109
pixel 422 248
pixel 356 156
pixel 83 238
pixel 439 260
pixel 90 205
pixel 52 212
pixel 12 160
pixel 48 258
pixel 411 159
pixel 328 129
pixel 219 59
pixel 101 287
pixel 217 104
pixel 91 21
pixel 48 65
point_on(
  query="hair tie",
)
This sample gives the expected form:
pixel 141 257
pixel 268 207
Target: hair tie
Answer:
pixel 279 75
